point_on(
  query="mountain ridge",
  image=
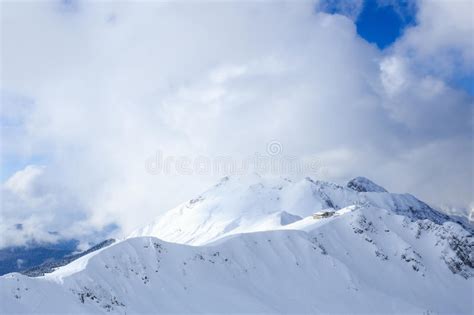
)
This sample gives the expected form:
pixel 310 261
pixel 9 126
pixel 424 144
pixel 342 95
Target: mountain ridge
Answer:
pixel 239 204
pixel 242 253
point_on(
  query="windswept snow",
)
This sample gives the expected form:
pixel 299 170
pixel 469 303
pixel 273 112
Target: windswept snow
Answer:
pixel 257 249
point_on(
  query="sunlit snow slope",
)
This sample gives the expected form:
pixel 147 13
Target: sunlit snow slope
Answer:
pixel 379 253
pixel 252 203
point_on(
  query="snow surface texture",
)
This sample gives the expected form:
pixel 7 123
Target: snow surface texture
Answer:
pixel 250 245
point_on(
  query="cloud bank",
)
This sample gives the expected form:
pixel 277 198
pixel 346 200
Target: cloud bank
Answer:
pixel 95 89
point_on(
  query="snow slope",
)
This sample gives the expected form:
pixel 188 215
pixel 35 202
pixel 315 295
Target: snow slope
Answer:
pixel 251 203
pixel 364 259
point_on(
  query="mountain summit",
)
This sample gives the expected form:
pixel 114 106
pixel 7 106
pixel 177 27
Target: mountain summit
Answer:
pixel 270 245
pixel 363 184
pixel 252 203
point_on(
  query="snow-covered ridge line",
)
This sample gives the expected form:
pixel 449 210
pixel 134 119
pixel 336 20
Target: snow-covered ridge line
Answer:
pixel 360 260
pixel 253 203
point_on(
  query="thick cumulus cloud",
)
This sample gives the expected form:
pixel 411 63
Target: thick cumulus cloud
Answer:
pixel 110 84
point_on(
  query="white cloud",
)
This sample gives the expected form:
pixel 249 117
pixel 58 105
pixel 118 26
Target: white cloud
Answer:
pixel 22 182
pixel 214 79
pixel 442 42
pixel 393 74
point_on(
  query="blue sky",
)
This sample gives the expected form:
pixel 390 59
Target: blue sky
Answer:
pixel 382 22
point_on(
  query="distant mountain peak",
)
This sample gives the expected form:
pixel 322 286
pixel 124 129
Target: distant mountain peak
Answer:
pixel 363 184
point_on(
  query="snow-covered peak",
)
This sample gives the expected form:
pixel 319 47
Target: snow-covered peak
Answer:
pixel 255 203
pixel 363 184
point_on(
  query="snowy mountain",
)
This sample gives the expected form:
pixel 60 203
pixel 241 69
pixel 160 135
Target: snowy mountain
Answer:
pixel 251 203
pixel 251 245
pixel 52 264
pixel 363 184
